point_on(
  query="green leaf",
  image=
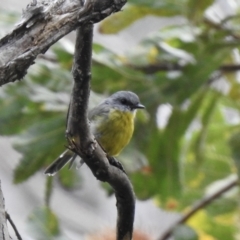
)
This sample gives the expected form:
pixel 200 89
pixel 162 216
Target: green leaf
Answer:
pixel 194 76
pixel 111 60
pixel 69 178
pixel 234 143
pixel 205 121
pixel 64 58
pixel 43 224
pixel 215 159
pixel 131 13
pixel 10 110
pixel 163 153
pixel 196 9
pixel 208 226
pixel 168 6
pixel 39 143
pixel 223 207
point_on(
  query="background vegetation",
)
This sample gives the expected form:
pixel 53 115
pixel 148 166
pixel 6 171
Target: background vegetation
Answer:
pixel 186 144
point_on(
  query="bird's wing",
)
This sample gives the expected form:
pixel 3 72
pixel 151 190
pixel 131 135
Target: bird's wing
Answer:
pixel 101 110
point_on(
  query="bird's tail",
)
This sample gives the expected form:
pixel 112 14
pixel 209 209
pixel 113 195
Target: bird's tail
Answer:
pixel 60 162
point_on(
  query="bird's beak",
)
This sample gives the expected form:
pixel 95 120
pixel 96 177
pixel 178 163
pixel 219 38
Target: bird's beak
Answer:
pixel 140 106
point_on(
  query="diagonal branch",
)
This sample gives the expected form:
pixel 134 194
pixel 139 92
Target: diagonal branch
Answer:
pixel 82 141
pixel 8 217
pixel 44 23
pixel 199 205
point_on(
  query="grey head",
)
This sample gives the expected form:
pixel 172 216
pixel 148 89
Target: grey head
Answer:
pixel 125 100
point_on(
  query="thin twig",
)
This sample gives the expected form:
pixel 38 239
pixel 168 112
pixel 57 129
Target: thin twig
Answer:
pixel 13 226
pixel 157 67
pixel 201 204
pixel 220 26
pixel 168 66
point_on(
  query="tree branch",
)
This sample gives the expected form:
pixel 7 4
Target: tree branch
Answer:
pixel 83 143
pixel 201 204
pixel 13 226
pixel 153 68
pixel 44 23
pixel 4 235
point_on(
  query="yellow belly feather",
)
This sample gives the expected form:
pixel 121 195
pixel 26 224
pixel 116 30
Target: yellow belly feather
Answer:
pixel 115 132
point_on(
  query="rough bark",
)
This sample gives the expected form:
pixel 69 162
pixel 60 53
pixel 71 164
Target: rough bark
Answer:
pixel 44 23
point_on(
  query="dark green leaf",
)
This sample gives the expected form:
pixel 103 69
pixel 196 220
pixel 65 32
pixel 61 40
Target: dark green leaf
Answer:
pixel 39 143
pixel 43 224
pixel 136 11
pixel 196 9
pixel 234 143
pixel 69 178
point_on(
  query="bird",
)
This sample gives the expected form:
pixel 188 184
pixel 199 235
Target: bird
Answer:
pixel 112 124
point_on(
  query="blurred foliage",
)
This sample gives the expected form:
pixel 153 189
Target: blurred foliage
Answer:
pixel 43 224
pixel 183 232
pixel 189 66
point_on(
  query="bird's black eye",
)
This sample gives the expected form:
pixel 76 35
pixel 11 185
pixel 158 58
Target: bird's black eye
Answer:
pixel 123 101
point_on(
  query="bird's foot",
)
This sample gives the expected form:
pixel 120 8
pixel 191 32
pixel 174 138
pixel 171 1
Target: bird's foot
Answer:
pixel 114 162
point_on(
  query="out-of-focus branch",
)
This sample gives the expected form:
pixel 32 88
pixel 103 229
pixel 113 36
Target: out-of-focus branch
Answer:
pixel 199 205
pixel 83 143
pixel 13 226
pixel 44 23
pixel 222 26
pixel 153 68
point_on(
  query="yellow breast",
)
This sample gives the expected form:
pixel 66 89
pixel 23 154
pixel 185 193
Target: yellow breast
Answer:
pixel 115 131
